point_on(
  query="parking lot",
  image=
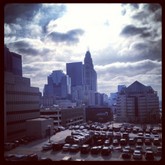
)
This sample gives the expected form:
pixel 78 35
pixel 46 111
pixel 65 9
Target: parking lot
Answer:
pixel 97 136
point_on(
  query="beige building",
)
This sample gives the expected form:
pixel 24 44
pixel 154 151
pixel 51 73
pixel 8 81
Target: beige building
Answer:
pixel 137 103
pixel 64 117
pixel 21 103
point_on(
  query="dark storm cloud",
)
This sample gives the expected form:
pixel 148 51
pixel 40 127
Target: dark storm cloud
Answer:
pixel 131 30
pixel 70 37
pixel 28 47
pixel 33 18
pixel 13 12
pixel 150 12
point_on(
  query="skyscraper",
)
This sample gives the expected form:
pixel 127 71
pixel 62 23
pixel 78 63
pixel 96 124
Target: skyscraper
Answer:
pixel 75 72
pixel 90 75
pixel 12 62
pixel 59 85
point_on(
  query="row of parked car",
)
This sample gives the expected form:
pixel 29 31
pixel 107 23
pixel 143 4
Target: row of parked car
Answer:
pixel 14 143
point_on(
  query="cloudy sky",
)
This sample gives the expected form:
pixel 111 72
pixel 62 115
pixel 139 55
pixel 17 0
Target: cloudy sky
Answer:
pixel 125 41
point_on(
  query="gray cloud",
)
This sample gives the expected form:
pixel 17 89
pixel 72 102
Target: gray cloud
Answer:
pixel 131 30
pixel 32 19
pixel 70 37
pixel 15 12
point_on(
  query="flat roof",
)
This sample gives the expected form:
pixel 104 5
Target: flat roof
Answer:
pixel 39 119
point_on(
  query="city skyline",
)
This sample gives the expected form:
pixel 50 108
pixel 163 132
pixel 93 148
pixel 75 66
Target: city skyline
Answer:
pixel 124 41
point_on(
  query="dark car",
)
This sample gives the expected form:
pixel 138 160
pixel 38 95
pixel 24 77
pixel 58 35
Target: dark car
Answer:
pixel 123 142
pixel 95 149
pixel 74 148
pixel 57 146
pixel 105 150
pixel 32 157
pixel 149 155
pixel 126 154
pixel 156 142
pixel 139 141
pixel 159 151
pixel 47 146
pixel 147 142
pixel 85 148
pixel 66 147
pixel 131 141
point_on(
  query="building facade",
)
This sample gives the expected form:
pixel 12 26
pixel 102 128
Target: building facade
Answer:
pixel 75 72
pixel 64 116
pixel 21 101
pixel 137 103
pixel 99 114
pixel 83 81
pixel 90 75
pixel 59 85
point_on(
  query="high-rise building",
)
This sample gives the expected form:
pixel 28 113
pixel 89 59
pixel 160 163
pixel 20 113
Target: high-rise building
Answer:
pixel 75 72
pixel 90 75
pixel 21 101
pixel 12 62
pixel 137 103
pixel 90 80
pixel 59 85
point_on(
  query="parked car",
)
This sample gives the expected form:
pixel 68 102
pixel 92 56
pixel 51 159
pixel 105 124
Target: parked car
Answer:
pixel 156 142
pixel 159 151
pixel 105 150
pixel 85 148
pixel 67 158
pixel 126 154
pixel 115 142
pixel 149 155
pixel 139 141
pixel 57 146
pixel 32 157
pixel 74 148
pixel 131 141
pixel 95 149
pixel 137 155
pixel 47 146
pixel 123 142
pixel 66 147
pixel 147 142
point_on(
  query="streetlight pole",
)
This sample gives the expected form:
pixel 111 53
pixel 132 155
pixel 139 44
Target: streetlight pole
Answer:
pixel 49 131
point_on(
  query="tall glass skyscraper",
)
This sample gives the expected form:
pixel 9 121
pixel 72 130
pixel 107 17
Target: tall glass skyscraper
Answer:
pixel 59 85
pixel 75 72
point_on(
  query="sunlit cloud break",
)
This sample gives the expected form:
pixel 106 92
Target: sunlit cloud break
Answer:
pixel 125 40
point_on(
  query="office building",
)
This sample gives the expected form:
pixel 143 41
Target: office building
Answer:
pixel 99 114
pixel 21 101
pixel 90 75
pixel 137 103
pixel 59 85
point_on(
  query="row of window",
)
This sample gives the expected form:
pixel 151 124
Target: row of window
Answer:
pixel 23 93
pixel 16 132
pixel 22 102
pixel 22 112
